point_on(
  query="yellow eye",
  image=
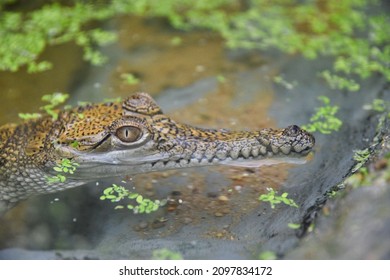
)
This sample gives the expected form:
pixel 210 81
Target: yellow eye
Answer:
pixel 128 133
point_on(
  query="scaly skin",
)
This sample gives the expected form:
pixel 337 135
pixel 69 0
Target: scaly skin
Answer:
pixel 114 139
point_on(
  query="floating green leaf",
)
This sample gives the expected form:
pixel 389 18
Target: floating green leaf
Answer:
pixel 324 119
pixel 166 254
pixel 267 255
pixel 273 198
pixel 117 193
pixel 65 166
pixel 130 78
pixel 28 116
pixel 293 226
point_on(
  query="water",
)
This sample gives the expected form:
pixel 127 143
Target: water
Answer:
pixel 212 212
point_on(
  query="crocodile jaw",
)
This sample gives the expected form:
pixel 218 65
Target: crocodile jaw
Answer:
pixel 136 137
pixel 245 149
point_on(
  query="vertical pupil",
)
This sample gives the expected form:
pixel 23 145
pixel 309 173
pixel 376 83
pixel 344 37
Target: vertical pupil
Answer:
pixel 128 133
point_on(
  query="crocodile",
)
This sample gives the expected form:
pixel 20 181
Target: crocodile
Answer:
pixel 125 138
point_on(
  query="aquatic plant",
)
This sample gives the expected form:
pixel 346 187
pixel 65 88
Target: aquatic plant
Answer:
pixel 109 100
pixel 311 28
pixel 176 41
pixel 267 255
pixel 286 84
pixel 26 34
pixel 139 204
pixel 29 116
pixel 324 119
pixel 53 100
pixel 65 166
pixel 352 33
pixel 273 198
pixel 166 254
pixel 129 78
pixel 379 105
pixel 294 225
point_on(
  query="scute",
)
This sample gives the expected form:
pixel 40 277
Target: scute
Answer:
pixel 141 103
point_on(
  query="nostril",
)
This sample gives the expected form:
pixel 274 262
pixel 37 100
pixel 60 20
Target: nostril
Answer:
pixel 292 130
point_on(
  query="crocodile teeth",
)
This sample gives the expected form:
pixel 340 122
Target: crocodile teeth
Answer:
pixel 245 152
pixel 234 154
pixel 194 161
pixel 285 149
pixel 298 149
pixel 159 165
pixel 209 155
pixel 198 154
pixel 255 152
pixel 263 150
pixel 221 155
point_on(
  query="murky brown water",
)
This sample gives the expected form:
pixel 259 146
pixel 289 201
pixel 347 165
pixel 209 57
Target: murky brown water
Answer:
pixel 21 92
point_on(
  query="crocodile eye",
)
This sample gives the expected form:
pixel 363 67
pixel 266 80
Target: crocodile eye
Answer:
pixel 128 133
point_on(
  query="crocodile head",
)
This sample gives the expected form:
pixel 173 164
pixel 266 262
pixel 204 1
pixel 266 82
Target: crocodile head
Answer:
pixel 134 136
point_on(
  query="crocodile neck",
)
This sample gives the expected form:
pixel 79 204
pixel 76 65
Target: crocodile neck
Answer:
pixel 116 139
pixel 26 153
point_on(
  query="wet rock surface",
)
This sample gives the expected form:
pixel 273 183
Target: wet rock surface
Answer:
pixel 355 222
pixel 357 227
pixel 214 212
